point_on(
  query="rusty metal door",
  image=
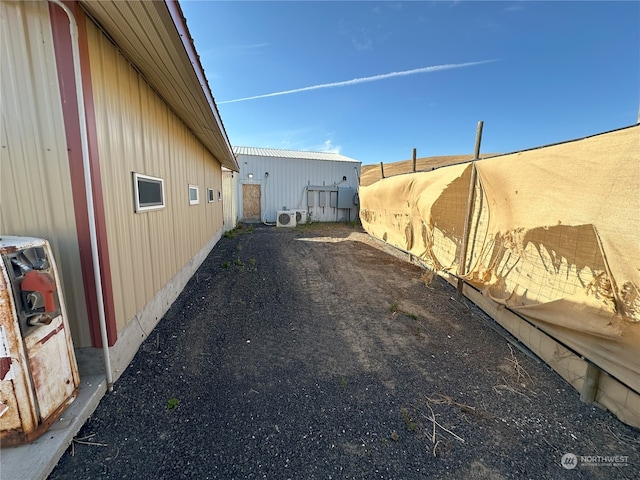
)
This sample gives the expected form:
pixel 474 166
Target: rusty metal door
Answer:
pixel 251 208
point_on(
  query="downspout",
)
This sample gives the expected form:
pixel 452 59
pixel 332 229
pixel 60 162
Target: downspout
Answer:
pixel 97 275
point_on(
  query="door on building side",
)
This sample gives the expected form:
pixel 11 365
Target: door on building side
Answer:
pixel 251 209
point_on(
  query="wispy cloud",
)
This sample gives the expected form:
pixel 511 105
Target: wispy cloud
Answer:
pixel 361 40
pixel 327 147
pixel 516 7
pixel 355 81
pixel 250 47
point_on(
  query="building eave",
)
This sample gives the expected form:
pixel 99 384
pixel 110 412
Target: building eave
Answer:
pixel 154 37
pixel 291 154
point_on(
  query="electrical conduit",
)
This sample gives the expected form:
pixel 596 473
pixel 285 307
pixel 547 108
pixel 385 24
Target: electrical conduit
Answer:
pixel 73 29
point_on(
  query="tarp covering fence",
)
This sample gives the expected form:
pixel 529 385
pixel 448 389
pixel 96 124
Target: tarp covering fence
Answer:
pixel 553 234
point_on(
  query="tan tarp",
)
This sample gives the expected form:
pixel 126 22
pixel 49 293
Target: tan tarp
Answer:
pixel 554 234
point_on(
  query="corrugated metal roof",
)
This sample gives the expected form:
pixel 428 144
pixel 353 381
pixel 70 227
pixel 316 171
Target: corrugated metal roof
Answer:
pixel 301 154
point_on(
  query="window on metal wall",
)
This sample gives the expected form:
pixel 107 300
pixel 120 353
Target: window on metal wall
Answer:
pixel 148 192
pixel 210 195
pixel 194 195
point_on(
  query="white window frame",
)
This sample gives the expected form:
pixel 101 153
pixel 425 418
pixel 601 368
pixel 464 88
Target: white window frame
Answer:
pixel 136 193
pixel 194 188
pixel 210 195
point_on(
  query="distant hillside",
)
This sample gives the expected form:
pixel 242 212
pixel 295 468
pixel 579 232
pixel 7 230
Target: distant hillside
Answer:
pixel 371 173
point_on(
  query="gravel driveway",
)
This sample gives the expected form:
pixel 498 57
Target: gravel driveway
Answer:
pixel 314 353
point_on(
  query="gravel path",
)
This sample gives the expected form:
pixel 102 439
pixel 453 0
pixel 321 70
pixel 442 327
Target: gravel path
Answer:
pixel 312 353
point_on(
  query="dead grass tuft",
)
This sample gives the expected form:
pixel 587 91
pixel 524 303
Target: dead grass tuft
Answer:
pixel 517 379
pixel 85 441
pixel 520 374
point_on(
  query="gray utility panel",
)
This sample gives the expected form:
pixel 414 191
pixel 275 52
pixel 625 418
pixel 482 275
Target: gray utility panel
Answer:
pixel 335 197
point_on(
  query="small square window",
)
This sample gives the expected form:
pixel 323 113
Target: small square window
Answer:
pixel 148 192
pixel 194 195
pixel 210 195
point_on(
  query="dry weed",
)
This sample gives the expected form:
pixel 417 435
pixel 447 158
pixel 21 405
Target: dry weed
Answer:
pixel 435 442
pixel 446 400
pixel 84 441
pixel 517 379
pixel 519 372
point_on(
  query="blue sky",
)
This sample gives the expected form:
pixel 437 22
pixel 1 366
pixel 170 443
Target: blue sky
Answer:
pixel 535 72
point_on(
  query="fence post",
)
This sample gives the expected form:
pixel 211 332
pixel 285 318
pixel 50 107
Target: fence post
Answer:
pixel 413 156
pixel 462 262
pixel 381 170
pixel 590 385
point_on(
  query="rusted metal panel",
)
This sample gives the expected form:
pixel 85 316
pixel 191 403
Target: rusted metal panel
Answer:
pixel 38 371
pixel 19 436
pixel 10 416
pixel 50 366
pixel 15 389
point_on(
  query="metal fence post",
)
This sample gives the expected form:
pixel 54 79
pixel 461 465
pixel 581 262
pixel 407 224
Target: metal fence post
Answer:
pixel 462 262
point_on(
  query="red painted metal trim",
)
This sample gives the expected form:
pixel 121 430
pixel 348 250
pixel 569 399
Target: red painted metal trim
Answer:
pixel 66 78
pixel 51 334
pixel 5 366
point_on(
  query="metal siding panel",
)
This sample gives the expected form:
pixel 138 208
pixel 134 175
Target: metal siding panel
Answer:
pixel 229 200
pixel 146 33
pixel 111 86
pixel 34 151
pixel 284 187
pixel 139 133
pixel 213 179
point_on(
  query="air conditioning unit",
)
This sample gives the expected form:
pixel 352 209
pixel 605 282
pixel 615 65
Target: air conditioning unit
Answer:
pixel 286 218
pixel 301 216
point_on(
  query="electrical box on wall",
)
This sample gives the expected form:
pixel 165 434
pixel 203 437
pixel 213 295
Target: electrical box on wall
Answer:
pixel 333 199
pixel 346 197
pixel 38 371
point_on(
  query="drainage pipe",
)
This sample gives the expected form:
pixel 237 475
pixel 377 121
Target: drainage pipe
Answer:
pixel 73 30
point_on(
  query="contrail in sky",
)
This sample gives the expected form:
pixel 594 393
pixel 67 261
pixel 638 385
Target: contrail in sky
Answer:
pixel 355 81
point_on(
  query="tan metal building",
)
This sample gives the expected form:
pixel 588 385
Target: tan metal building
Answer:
pixel 120 159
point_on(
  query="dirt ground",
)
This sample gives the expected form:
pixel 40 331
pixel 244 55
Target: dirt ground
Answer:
pixel 318 353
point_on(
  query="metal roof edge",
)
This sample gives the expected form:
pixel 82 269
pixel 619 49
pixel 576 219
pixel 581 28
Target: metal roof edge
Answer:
pixel 180 23
pixel 287 153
